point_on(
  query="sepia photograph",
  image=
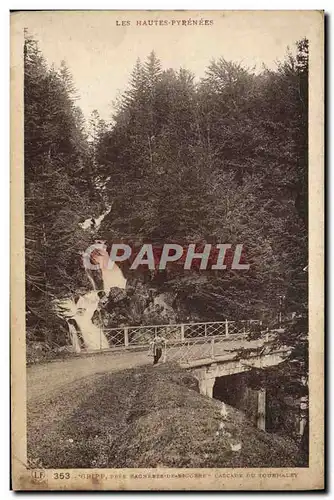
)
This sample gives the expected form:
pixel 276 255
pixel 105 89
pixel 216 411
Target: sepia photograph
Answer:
pixel 167 183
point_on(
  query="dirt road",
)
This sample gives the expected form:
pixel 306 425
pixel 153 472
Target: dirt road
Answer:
pixel 49 377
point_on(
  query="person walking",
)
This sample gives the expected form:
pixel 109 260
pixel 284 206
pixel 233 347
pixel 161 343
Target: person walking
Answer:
pixel 157 345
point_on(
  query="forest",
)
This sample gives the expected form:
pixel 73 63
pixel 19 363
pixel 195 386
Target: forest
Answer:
pixel 218 159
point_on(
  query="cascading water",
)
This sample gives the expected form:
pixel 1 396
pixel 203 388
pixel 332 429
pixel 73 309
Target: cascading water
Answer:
pixel 79 315
pixel 74 337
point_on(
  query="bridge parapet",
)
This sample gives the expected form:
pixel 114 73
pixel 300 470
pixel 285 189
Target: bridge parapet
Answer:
pixel 201 351
pixel 136 336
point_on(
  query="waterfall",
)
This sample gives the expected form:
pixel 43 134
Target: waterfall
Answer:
pixel 92 335
pixel 112 277
pixel 74 337
pixel 83 310
pixel 81 313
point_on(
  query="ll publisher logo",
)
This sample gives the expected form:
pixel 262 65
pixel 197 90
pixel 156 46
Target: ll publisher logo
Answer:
pixel 38 475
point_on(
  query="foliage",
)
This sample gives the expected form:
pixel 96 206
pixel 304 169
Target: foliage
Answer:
pixel 219 160
pixel 222 159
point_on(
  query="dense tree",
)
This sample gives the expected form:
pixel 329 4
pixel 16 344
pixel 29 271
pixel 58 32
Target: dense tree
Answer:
pixel 220 160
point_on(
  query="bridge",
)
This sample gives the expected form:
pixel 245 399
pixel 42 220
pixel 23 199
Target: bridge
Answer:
pixel 211 350
pixel 208 349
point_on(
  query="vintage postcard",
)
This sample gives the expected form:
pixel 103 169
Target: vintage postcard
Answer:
pixel 167 187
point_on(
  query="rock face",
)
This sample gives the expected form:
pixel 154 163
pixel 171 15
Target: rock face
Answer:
pixel 160 310
pixel 138 304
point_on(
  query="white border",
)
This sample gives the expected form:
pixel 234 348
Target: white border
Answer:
pixel 4 185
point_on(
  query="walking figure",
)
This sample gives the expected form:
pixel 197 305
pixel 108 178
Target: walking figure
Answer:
pixel 157 344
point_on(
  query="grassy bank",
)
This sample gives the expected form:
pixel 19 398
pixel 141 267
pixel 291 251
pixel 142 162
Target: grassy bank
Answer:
pixel 146 417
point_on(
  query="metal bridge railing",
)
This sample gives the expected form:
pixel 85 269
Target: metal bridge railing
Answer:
pixel 190 350
pixel 136 336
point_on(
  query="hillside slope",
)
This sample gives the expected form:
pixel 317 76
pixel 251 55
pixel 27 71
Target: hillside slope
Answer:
pixel 147 417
